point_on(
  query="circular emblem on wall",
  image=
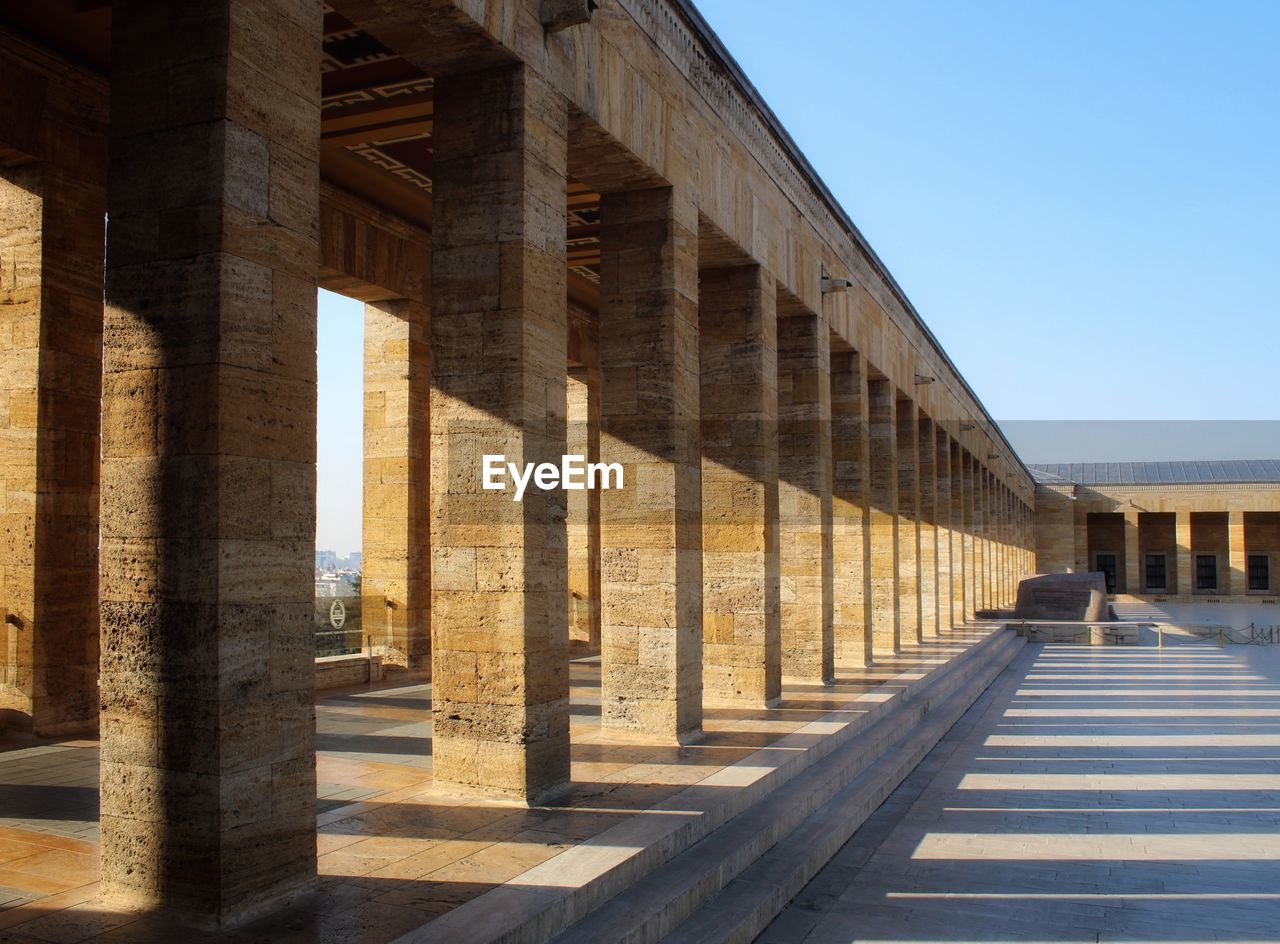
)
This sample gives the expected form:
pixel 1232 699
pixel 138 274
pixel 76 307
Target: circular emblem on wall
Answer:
pixel 337 614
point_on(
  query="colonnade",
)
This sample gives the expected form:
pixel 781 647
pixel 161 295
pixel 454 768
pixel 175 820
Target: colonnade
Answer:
pixel 791 505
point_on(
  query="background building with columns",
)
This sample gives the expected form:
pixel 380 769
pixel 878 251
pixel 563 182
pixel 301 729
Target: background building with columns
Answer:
pixel 1184 531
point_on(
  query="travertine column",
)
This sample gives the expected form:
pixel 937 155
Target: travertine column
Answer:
pixel 583 506
pixel 208 456
pixel 947 616
pixel 395 587
pixel 998 549
pixel 804 497
pixel 973 489
pixel 928 529
pixel 1013 567
pixel 883 504
pixel 1185 562
pixel 50 381
pixel 1028 542
pixel 997 498
pixel 988 522
pixel 1237 568
pixel 1080 533
pixel 1015 548
pixel 498 339
pixel 1020 541
pixel 1132 563
pixel 908 449
pixel 651 530
pixel 1028 529
pixel 738 334
pixel 959 537
pixel 850 515
pixel 1005 545
pixel 1015 545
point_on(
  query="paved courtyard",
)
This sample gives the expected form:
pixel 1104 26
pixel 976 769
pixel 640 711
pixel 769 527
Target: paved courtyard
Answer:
pixel 1092 794
pixel 393 852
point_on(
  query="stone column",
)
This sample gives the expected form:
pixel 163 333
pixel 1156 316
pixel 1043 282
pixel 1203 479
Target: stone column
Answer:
pixel 946 529
pixel 997 499
pixel 1132 562
pixel 50 381
pixel 989 569
pixel 1185 563
pixel 1019 565
pixel 1080 532
pixel 738 335
pixel 804 497
pixel 928 529
pixel 1033 565
pixel 977 555
pixel 208 457
pixel 959 537
pixel 1015 540
pixel 1028 538
pixel 498 341
pixel 885 602
pixel 1006 542
pixel 583 507
pixel 850 515
pixel 964 475
pixel 908 455
pixel 1019 546
pixel 651 530
pixel 395 586
pixel 1238 567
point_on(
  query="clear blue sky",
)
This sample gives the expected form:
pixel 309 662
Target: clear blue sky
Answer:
pixel 1080 198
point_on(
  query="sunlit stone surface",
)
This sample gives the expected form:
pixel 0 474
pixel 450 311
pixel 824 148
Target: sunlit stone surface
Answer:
pixel 1090 794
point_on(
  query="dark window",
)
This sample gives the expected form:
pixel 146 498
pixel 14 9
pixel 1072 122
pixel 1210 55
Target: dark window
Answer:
pixel 1106 563
pixel 1156 577
pixel 1259 572
pixel 1206 572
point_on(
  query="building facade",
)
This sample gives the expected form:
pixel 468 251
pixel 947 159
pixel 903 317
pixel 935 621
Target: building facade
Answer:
pixel 571 234
pixel 1169 531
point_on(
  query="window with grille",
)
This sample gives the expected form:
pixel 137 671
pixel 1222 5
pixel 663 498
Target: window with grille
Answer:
pixel 1157 574
pixel 1206 572
pixel 1106 563
pixel 1259 572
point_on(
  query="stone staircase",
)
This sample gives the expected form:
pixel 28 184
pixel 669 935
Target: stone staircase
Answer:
pixel 719 860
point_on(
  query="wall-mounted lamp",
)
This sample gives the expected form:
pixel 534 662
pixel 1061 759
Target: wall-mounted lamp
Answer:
pixel 557 15
pixel 922 379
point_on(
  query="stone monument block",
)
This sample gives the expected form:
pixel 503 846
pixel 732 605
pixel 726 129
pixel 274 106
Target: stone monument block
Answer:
pixel 1063 597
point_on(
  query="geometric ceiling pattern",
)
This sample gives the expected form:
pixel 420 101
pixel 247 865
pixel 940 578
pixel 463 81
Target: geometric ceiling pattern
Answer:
pixel 376 123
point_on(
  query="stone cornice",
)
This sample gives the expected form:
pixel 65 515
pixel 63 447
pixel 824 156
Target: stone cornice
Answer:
pixel 694 49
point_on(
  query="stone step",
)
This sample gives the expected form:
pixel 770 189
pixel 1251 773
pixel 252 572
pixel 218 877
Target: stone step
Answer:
pixel 588 882
pixel 718 889
pixel 747 904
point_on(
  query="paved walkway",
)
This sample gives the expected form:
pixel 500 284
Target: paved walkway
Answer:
pixel 393 851
pixel 1092 794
